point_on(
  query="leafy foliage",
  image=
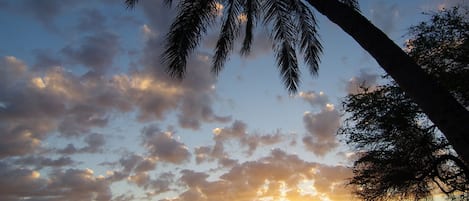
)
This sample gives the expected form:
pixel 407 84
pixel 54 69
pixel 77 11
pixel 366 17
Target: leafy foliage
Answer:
pixel 401 154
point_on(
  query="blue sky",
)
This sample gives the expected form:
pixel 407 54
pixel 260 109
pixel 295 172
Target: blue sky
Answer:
pixel 87 112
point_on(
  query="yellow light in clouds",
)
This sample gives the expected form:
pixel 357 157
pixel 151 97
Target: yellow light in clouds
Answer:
pixel 38 82
pixel 216 131
pixel 109 172
pixel 219 8
pixel 329 107
pixel 141 83
pixel 35 174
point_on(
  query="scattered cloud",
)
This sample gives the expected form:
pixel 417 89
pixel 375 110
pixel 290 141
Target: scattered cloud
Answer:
pixel 275 176
pixel 94 144
pixel 96 52
pixel 321 128
pixel 70 184
pixel 314 99
pixel 164 146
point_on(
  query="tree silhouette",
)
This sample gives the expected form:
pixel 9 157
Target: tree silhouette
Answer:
pixel 401 154
pixel 294 28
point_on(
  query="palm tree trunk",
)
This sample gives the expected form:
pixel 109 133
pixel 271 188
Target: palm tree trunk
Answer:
pixel 437 103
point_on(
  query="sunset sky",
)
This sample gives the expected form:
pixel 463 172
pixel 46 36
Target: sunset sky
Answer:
pixel 87 112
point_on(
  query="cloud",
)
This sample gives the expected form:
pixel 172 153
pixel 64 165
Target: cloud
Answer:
pixel 94 144
pixel 364 79
pixel 46 12
pixel 37 103
pixel 19 182
pixel 91 20
pixel 40 162
pixel 275 176
pixel 314 98
pixel 256 140
pixel 96 52
pixel 321 127
pixel 164 146
pixel 45 59
pixel 71 184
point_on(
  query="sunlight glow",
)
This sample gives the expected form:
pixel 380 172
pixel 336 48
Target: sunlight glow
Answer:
pixel 216 131
pixel 38 82
pixel 35 174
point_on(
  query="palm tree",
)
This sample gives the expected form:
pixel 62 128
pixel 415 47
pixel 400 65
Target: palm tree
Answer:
pixel 294 29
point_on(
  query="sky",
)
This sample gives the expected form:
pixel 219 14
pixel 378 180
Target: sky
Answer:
pixel 87 111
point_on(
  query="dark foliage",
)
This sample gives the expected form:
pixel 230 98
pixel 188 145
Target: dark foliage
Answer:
pixel 401 154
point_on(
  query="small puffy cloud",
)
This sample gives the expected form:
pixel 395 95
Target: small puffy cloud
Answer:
pixel 314 98
pixel 236 130
pixel 96 52
pixel 256 140
pixel 162 183
pixel 321 128
pixel 148 32
pixel 164 146
pixel 362 80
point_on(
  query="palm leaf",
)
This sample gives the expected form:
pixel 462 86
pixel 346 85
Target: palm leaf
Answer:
pixel 251 10
pixel 228 33
pixel 309 45
pixel 131 3
pixel 278 12
pixel 185 33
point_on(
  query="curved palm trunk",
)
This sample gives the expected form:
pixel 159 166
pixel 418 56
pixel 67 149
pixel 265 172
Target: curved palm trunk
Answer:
pixel 436 102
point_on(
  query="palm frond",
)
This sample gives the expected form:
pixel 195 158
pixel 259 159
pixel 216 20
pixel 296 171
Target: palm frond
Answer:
pixel 185 33
pixel 278 12
pixel 168 2
pixel 309 45
pixel 251 10
pixel 131 3
pixel 228 33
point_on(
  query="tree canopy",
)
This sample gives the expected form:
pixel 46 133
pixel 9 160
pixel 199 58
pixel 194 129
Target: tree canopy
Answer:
pixel 401 154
